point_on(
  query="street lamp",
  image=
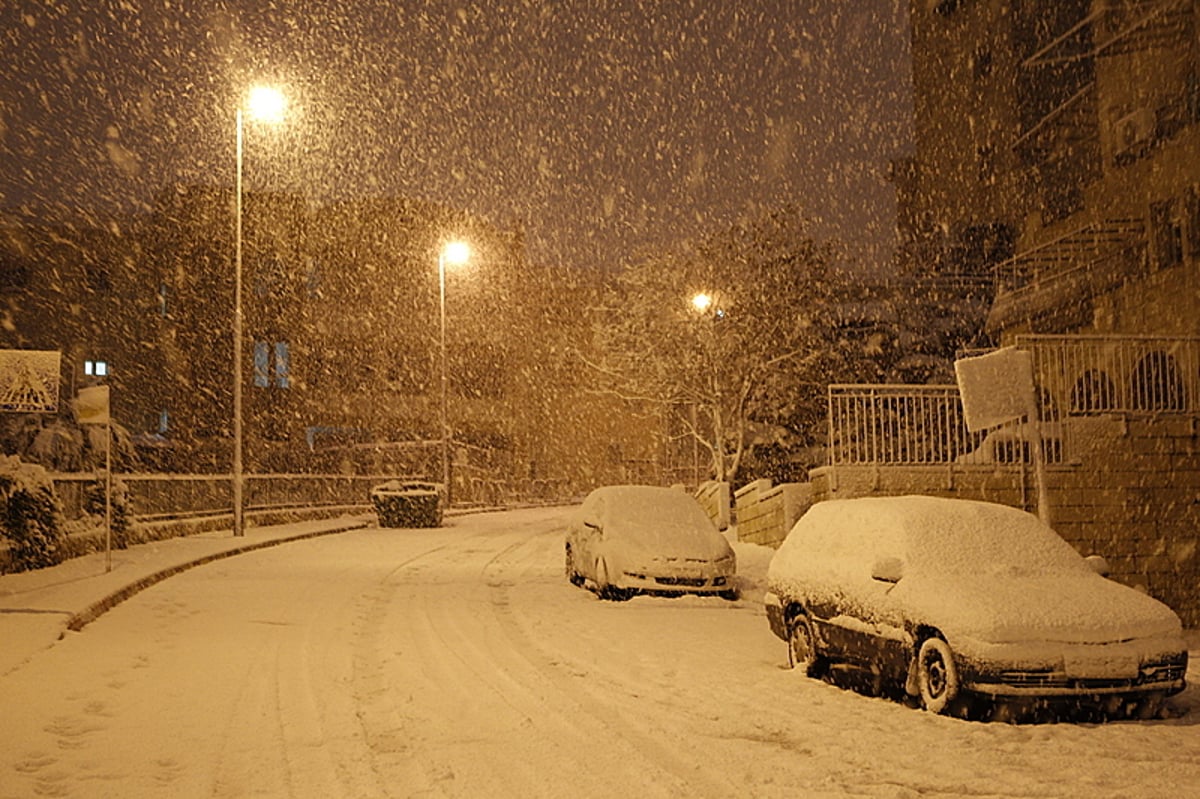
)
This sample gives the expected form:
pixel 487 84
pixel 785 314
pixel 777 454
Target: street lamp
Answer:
pixel 266 104
pixel 454 253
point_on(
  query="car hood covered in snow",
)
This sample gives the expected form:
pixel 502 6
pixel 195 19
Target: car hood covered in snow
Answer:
pixel 1074 609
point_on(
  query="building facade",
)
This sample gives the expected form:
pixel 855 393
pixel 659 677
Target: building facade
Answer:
pixel 1058 158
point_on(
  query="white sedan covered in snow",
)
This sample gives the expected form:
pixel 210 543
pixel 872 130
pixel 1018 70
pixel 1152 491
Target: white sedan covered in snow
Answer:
pixel 629 539
pixel 954 599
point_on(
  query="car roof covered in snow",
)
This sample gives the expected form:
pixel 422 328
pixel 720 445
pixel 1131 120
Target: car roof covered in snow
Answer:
pixel 931 534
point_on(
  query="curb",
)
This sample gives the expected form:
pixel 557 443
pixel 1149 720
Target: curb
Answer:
pixel 79 620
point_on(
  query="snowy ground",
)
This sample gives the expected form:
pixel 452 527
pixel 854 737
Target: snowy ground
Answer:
pixel 460 662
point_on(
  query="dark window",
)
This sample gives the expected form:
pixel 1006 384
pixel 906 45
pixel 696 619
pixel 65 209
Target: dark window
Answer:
pixel 272 364
pixel 981 63
pixel 1094 392
pixel 1156 385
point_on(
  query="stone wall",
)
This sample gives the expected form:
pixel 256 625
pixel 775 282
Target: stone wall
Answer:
pixel 766 513
pixel 714 498
pixel 1131 494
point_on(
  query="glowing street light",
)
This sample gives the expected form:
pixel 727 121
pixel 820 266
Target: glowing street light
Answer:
pixel 265 104
pixel 454 253
pixel 702 302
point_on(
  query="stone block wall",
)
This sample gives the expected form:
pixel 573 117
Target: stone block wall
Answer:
pixel 714 498
pixel 766 513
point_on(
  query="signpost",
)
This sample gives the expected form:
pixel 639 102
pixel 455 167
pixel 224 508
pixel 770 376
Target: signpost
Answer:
pixel 92 407
pixel 997 388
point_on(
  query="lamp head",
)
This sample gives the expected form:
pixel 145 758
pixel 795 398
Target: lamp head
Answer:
pixel 456 253
pixel 266 103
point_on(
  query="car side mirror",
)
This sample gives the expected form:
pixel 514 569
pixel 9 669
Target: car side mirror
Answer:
pixel 887 570
pixel 1098 563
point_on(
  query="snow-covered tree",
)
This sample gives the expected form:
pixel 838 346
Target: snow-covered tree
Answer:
pixel 741 329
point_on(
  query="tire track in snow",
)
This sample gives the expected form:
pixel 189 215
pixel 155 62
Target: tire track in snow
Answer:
pixel 535 727
pixel 639 726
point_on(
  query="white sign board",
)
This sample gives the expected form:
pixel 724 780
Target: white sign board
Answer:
pixel 91 407
pixel 29 380
pixel 996 388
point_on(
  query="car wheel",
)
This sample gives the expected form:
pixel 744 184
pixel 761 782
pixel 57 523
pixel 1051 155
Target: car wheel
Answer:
pixel 1149 706
pixel 575 577
pixel 937 677
pixel 605 589
pixel 802 650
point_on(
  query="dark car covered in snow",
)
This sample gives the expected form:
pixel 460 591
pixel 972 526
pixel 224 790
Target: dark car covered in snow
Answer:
pixel 953 600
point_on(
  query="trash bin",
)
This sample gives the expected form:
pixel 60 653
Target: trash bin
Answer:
pixel 408 503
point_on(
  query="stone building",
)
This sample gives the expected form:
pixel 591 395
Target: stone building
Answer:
pixel 1058 154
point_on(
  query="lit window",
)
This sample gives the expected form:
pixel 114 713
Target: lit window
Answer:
pixel 95 368
pixel 272 364
pixel 282 364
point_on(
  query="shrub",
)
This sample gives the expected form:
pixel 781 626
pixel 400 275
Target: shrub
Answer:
pixel 122 511
pixel 32 515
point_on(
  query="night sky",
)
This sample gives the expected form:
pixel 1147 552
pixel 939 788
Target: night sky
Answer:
pixel 605 128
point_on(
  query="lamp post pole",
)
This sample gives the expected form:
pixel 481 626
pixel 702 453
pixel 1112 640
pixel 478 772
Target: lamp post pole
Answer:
pixel 454 253
pixel 239 526
pixel 265 103
pixel 445 416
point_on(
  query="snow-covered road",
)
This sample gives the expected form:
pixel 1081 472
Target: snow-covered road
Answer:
pixel 460 662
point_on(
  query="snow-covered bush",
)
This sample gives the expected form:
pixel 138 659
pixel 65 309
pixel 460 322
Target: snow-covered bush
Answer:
pixel 122 510
pixel 31 517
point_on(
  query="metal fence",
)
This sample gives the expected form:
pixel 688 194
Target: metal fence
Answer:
pixel 899 424
pixel 176 495
pixel 1097 374
pixel 1075 377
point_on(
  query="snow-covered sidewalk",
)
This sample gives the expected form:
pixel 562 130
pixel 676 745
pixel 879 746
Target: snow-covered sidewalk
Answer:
pixel 37 607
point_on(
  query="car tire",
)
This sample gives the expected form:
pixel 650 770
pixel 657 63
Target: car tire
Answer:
pixel 1149 706
pixel 802 649
pixel 605 589
pixel 937 676
pixel 574 576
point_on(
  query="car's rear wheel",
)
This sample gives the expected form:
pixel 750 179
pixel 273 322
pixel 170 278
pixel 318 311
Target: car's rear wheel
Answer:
pixel 937 677
pixel 574 576
pixel 802 651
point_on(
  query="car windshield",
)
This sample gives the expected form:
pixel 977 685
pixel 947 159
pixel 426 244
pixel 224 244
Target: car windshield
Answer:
pixel 660 512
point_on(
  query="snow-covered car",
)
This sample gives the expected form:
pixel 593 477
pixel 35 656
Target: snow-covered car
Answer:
pixel 630 538
pixel 954 600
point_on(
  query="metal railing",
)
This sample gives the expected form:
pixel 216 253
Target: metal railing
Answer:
pixel 898 424
pixel 1075 377
pixel 1095 374
pixel 154 496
